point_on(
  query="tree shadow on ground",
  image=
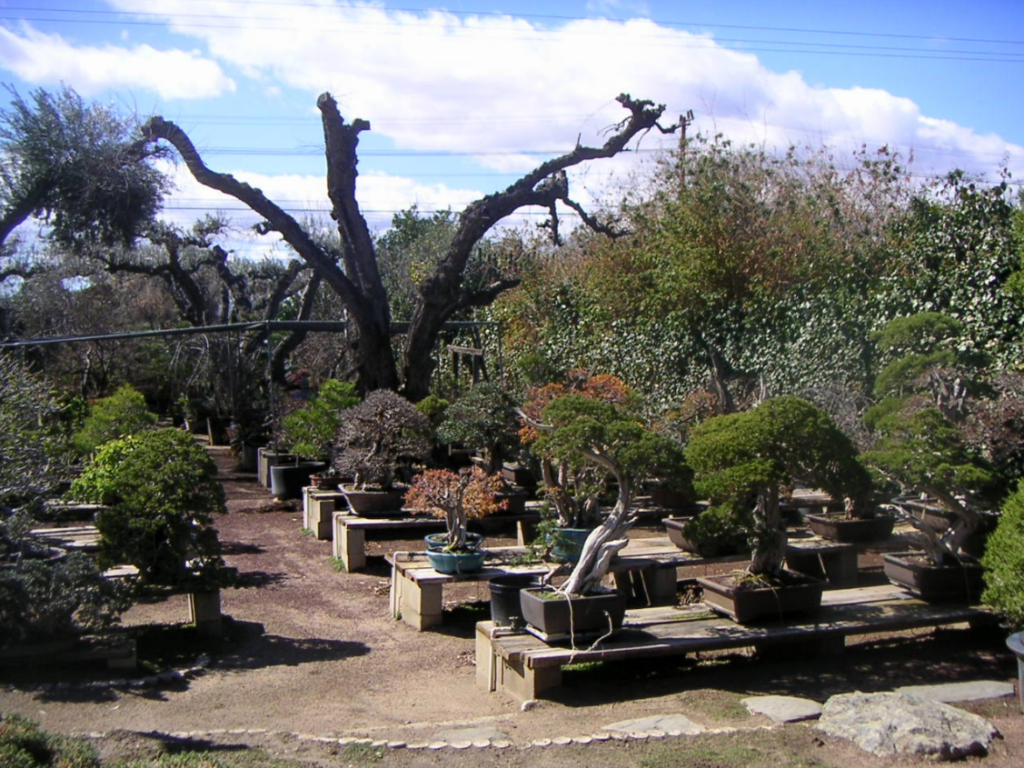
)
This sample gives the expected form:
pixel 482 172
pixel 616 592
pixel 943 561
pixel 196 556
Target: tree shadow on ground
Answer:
pixel 253 648
pixel 251 579
pixel 241 548
pixel 876 664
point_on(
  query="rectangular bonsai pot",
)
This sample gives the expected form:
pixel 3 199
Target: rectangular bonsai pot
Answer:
pixel 555 614
pixel 851 530
pixel 746 604
pixel 934 583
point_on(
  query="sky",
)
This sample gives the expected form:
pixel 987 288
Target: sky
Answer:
pixel 465 96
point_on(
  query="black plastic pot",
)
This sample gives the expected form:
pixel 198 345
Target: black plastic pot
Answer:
pixel 288 480
pixel 505 607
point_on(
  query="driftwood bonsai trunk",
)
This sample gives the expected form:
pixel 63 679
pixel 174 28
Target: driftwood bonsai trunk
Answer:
pixel 602 544
pixel 769 535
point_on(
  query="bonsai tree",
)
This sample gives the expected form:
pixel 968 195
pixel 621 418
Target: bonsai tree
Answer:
pixel 310 430
pixel 1003 561
pixel 919 445
pixel 161 490
pixel 378 436
pixel 580 430
pixel 571 483
pixel 923 452
pixel 746 459
pixel 483 418
pixel 457 497
pixel 119 415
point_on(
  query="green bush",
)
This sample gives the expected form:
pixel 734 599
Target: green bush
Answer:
pixel 484 419
pixel 123 413
pixel 719 530
pixel 1004 561
pixel 310 431
pixel 162 492
pixel 24 745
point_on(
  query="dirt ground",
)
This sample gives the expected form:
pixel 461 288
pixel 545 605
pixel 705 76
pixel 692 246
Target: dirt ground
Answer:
pixel 314 653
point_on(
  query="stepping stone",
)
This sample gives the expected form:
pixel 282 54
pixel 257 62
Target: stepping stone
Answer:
pixel 969 691
pixel 888 724
pixel 783 709
pixel 481 733
pixel 664 723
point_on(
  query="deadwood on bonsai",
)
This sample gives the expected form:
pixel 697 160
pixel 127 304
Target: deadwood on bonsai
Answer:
pixel 576 428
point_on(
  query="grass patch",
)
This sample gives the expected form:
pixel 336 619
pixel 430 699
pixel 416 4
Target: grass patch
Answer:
pixel 361 754
pixel 584 666
pixel 307 532
pixel 338 564
pixel 715 704
pixel 741 750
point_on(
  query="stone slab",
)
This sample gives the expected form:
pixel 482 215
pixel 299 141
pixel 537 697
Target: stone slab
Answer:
pixel 783 709
pixel 663 723
pixel 967 691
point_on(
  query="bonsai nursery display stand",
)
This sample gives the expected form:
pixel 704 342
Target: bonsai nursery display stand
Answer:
pixel 832 561
pixel 349 531
pixel 318 508
pixel 523 666
pixel 646 569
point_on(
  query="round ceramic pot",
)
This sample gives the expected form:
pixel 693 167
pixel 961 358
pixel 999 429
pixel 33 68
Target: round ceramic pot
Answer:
pixel 454 563
pixel 436 542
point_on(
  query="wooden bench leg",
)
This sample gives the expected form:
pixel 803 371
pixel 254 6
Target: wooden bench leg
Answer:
pixel 418 605
pixel 662 584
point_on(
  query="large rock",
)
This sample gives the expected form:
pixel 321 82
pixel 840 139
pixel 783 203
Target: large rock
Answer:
pixel 899 723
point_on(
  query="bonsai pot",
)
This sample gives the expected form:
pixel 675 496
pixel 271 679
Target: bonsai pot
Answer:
pixel 374 503
pixel 747 603
pixel 676 529
pixel 516 474
pixel 557 615
pixel 506 610
pixel 454 563
pixel 669 498
pixel 436 542
pixel 1016 644
pixel 569 543
pixel 915 572
pixel 851 530
pixel 288 480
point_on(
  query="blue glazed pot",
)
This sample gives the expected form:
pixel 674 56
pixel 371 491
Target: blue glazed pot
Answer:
pixel 454 563
pixel 569 543
pixel 438 541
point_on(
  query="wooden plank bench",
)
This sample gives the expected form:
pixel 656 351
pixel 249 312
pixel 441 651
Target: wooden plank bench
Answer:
pixel 83 538
pixel 523 666
pixel 349 531
pixel 646 569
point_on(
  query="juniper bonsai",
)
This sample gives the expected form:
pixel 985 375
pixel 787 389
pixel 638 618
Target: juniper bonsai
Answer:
pixel 747 458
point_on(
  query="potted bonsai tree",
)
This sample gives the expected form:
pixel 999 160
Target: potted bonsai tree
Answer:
pixel 377 439
pixel 572 484
pixel 485 418
pixel 576 428
pixel 744 460
pixel 161 492
pixel 309 431
pixel 457 497
pixel 924 391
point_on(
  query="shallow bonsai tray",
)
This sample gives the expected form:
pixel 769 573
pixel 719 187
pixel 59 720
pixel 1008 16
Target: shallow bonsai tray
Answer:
pixel 851 530
pixel 934 583
pixel 746 604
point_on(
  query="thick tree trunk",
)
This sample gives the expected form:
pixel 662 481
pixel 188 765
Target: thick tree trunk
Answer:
pixel 769 534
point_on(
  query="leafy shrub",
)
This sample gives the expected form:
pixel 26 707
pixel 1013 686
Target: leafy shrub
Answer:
pixel 485 419
pixel 52 600
pixel 1004 561
pixel 162 492
pixel 310 431
pixel 24 745
pixel 123 413
pixel 32 446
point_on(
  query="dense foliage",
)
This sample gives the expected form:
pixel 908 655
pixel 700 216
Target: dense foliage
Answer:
pixel 119 415
pixel 310 430
pixel 1004 561
pixel 23 744
pixel 458 497
pixel 483 418
pixel 162 492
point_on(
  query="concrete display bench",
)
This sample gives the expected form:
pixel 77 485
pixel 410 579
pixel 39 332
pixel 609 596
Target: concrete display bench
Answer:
pixel 647 568
pixel 82 538
pixel 318 508
pixel 833 561
pixel 349 531
pixel 523 666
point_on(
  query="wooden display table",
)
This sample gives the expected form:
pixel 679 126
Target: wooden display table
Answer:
pixel 646 569
pixel 521 665
pixel 832 561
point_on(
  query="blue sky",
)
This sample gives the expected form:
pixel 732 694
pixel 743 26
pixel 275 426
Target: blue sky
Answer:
pixel 464 96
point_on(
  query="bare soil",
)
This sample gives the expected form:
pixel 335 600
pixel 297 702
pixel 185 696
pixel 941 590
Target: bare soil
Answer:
pixel 312 652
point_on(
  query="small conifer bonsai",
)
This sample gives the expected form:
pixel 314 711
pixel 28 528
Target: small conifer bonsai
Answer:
pixel 309 431
pixel 745 459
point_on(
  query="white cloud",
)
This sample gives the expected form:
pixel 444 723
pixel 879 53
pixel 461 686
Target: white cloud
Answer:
pixel 494 83
pixel 47 59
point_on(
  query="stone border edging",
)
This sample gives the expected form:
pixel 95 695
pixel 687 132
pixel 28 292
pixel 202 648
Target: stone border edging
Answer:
pixel 203 661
